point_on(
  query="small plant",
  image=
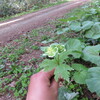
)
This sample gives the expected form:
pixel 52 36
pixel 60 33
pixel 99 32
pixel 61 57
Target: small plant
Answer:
pixel 35 47
pixel 44 37
pixel 13 57
pixel 57 52
pixel 60 55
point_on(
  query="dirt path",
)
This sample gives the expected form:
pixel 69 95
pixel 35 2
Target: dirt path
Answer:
pixel 12 28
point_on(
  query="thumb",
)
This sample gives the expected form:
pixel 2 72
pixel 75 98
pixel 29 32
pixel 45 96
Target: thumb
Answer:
pixel 50 73
pixel 55 85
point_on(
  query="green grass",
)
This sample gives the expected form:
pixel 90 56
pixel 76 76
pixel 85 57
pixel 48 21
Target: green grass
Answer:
pixel 30 11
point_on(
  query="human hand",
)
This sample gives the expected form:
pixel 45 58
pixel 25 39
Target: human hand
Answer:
pixel 43 87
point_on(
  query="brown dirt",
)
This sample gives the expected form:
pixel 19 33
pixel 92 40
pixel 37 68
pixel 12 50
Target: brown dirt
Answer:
pixel 7 97
pixel 28 22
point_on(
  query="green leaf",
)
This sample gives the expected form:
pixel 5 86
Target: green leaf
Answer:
pixel 76 54
pixel 93 11
pixel 43 49
pixel 79 67
pixel 65 29
pixel 62 31
pixel 48 64
pixel 62 71
pixel 64 94
pixel 89 33
pixel 75 47
pixel 70 96
pixel 94 32
pixel 87 25
pixel 16 93
pixel 93 81
pixel 81 73
pixel 61 92
pixel 62 56
pixel 92 54
pixel 75 26
pixel 47 41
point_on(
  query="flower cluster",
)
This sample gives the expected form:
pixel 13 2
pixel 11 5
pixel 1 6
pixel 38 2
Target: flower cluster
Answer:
pixel 54 49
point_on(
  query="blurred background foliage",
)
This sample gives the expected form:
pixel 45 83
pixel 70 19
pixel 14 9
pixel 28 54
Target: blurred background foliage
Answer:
pixel 11 7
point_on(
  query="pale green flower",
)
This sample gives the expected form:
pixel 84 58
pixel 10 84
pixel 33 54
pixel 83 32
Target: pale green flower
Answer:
pixel 51 52
pixel 53 49
pixel 61 48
